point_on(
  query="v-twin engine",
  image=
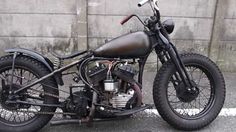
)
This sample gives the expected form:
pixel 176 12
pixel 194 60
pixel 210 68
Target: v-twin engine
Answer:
pixel 116 84
pixel 120 100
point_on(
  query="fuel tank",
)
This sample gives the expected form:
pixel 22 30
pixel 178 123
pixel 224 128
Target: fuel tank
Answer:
pixel 132 45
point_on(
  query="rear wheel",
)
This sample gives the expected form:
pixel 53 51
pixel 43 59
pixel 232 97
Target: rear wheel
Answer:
pixel 184 110
pixel 21 117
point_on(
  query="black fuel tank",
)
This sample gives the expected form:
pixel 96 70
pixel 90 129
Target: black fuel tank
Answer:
pixel 133 45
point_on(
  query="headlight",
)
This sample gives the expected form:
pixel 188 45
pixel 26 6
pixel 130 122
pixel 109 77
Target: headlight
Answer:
pixel 169 25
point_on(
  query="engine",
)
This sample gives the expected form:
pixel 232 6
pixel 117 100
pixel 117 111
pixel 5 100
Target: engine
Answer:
pixel 119 93
pixel 121 100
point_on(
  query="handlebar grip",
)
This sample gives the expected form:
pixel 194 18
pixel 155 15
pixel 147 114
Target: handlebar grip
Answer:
pixel 126 19
pixel 143 2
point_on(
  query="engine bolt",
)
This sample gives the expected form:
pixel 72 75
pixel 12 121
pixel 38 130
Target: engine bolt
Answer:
pixel 102 108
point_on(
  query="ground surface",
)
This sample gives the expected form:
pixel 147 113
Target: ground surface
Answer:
pixel 143 122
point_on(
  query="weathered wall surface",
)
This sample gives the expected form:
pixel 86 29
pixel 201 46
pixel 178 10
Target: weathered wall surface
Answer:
pixel 43 25
pixel 202 26
pixel 227 35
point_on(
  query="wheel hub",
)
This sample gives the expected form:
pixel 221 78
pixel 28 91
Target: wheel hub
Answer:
pixel 6 96
pixel 187 94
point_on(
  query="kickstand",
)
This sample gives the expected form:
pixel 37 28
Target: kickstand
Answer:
pixel 92 110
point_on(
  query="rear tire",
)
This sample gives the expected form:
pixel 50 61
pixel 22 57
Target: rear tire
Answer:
pixel 38 120
pixel 185 120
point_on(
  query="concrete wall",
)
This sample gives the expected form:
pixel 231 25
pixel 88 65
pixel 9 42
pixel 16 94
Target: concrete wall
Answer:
pixel 227 35
pixel 202 26
pixel 43 25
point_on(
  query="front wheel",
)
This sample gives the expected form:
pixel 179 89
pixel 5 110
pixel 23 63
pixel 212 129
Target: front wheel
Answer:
pixel 184 110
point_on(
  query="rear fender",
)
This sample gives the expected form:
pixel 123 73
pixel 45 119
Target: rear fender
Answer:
pixel 42 59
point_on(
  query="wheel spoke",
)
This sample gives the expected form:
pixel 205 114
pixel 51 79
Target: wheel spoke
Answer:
pixel 197 105
pixel 20 77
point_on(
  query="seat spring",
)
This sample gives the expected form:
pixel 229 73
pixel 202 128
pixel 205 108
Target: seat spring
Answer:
pixel 58 63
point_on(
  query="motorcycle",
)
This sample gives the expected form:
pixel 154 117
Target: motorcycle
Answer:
pixel 188 90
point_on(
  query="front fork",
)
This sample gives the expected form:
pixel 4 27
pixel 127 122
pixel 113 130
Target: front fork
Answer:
pixel 170 53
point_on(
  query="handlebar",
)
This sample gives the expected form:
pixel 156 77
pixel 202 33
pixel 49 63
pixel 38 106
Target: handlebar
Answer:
pixel 129 17
pixel 143 2
pixel 126 19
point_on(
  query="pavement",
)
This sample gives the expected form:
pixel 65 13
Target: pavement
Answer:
pixel 143 122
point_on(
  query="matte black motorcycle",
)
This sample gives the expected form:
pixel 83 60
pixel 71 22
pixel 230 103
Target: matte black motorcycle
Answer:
pixel 188 91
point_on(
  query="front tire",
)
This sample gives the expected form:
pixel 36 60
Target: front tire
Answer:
pixel 190 115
